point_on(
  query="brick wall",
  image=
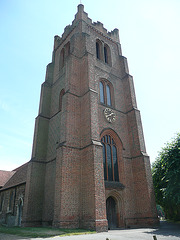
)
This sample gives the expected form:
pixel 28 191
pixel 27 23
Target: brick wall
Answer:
pixel 67 161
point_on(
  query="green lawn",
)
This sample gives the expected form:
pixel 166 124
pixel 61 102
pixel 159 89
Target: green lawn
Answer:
pixel 34 232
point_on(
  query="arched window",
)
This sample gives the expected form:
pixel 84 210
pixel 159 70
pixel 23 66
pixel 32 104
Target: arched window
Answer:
pixel 97 50
pixel 106 92
pixel 110 159
pixel 99 47
pixel 60 99
pixel 103 52
pixel 101 88
pixel 104 161
pixel 61 65
pixel 107 54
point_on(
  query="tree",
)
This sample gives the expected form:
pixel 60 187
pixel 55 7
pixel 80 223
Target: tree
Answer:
pixel 166 178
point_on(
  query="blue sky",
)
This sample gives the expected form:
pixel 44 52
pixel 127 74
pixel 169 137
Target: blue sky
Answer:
pixel 150 39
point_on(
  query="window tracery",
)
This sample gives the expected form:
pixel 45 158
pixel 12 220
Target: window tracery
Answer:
pixel 110 159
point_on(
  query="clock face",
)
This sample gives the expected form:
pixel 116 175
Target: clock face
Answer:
pixel 110 115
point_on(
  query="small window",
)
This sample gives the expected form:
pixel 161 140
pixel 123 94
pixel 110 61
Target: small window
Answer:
pixel 60 99
pixel 106 92
pixel 101 86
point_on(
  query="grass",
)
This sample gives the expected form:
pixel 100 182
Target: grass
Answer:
pixel 44 232
pixel 173 221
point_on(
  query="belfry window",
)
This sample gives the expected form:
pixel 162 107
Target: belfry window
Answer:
pixel 106 92
pixel 103 52
pixel 97 50
pixel 110 160
pixel 105 55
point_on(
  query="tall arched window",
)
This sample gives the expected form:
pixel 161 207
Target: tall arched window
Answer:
pixel 106 92
pixel 97 50
pixel 60 99
pixel 107 54
pixel 110 159
pixel 99 47
pixel 104 161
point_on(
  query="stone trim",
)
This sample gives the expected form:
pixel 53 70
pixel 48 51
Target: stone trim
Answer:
pixel 113 185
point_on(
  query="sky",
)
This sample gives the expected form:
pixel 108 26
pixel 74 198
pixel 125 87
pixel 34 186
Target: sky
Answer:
pixel 150 40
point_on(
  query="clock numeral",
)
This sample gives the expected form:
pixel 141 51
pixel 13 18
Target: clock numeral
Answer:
pixel 110 115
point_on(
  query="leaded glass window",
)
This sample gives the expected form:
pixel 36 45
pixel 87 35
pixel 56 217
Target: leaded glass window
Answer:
pixel 110 159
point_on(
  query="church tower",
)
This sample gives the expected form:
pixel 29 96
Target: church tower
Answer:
pixel 89 167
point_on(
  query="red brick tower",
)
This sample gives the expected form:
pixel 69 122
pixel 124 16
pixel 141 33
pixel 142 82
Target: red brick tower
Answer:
pixel 89 167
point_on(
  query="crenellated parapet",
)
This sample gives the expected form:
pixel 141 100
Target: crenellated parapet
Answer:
pixel 83 16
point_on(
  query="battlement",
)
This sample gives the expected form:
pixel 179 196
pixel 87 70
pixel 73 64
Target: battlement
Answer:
pixel 114 35
pixel 98 26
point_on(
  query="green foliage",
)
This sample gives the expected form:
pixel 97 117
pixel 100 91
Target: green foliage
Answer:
pixel 166 178
pixel 160 211
pixel 42 232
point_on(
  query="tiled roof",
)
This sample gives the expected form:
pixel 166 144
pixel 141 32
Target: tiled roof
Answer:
pixel 18 177
pixel 5 176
